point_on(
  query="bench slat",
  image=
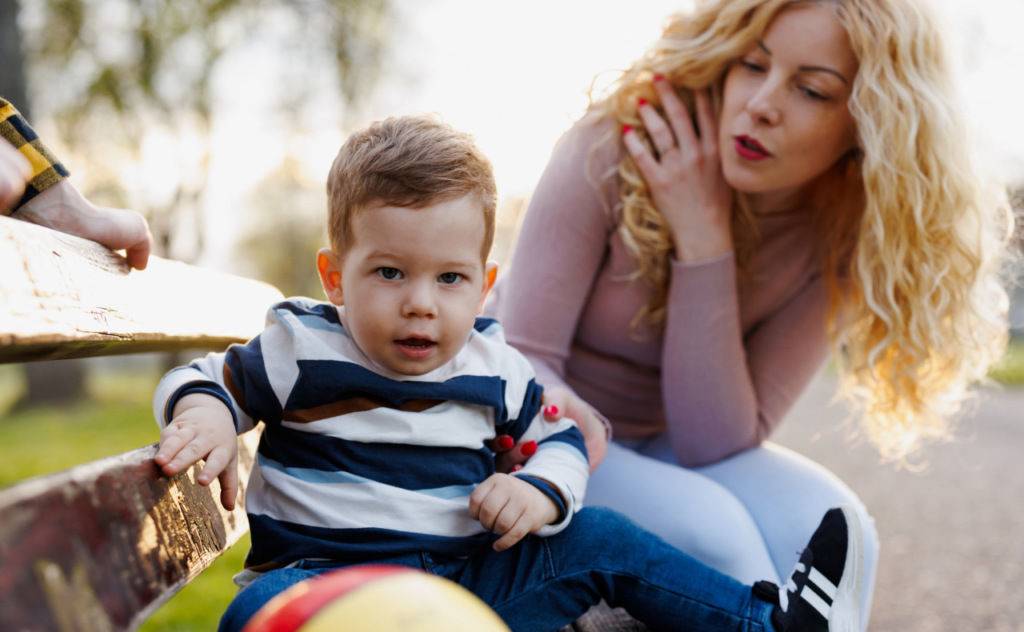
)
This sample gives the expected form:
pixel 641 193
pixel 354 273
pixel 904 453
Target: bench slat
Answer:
pixel 66 297
pixel 101 546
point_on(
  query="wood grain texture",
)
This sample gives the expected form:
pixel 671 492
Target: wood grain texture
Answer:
pixel 66 297
pixel 99 547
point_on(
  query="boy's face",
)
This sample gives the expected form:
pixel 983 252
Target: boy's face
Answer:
pixel 412 282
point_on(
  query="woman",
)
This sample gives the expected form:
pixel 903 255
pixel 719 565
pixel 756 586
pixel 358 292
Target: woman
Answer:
pixel 686 275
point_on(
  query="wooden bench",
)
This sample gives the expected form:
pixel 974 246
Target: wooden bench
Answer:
pixel 100 547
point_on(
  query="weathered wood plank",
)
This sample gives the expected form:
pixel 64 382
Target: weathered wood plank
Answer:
pixel 101 546
pixel 66 297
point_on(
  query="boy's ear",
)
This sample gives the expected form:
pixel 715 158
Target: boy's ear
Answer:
pixel 490 274
pixel 329 266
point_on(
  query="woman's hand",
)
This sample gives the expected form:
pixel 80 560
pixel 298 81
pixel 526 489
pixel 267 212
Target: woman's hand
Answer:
pixel 14 172
pixel 558 403
pixel 62 207
pixel 685 182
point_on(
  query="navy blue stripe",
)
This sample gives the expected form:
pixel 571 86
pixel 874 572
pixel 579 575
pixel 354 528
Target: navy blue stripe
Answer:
pixel 409 467
pixel 516 428
pixel 250 378
pixel 482 324
pixel 30 192
pixel 326 311
pixel 286 542
pixel 201 386
pixel 548 490
pixel 323 382
pixel 572 436
pixel 22 127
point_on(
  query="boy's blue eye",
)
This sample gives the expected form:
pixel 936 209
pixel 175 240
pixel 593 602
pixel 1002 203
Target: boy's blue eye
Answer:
pixel 389 273
pixel 449 278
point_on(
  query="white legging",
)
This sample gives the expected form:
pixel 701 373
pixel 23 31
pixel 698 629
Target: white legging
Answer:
pixel 748 516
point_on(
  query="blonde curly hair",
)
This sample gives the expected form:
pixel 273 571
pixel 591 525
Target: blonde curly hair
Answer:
pixel 913 252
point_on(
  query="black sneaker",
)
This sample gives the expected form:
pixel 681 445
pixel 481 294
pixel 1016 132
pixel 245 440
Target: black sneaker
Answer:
pixel 822 593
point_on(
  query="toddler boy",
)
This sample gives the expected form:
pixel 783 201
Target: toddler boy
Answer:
pixel 378 405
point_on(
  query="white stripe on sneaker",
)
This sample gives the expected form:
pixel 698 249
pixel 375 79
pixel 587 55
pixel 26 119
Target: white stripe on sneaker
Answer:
pixel 823 583
pixel 812 598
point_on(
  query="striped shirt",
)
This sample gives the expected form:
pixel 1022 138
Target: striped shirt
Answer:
pixel 357 463
pixel 47 169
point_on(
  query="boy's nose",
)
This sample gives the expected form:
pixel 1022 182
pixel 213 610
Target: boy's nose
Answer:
pixel 420 302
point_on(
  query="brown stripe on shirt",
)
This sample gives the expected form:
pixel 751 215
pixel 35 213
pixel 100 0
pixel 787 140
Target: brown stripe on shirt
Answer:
pixel 354 405
pixel 229 382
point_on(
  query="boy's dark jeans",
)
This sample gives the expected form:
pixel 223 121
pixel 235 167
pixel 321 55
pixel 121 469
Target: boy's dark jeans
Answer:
pixel 542 584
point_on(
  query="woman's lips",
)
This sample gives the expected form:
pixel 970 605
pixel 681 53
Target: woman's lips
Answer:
pixel 750 149
pixel 416 348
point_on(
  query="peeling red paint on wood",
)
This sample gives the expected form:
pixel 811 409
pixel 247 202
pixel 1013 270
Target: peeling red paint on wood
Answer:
pixel 101 546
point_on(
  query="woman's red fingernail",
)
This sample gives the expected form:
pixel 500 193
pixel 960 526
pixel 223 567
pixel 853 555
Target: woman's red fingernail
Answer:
pixel 626 129
pixel 641 102
pixel 516 467
pixel 506 443
pixel 659 77
pixel 551 410
pixel 529 448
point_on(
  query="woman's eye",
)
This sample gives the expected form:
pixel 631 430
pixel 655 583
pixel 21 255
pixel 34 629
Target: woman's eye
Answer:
pixel 389 273
pixel 450 277
pixel 752 66
pixel 816 96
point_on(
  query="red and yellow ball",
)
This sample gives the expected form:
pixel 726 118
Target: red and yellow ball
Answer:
pixel 376 599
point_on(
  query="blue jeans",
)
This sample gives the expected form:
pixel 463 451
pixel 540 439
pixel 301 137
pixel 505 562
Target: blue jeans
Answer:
pixel 546 583
pixel 748 515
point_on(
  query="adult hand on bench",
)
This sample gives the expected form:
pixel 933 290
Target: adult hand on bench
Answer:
pixel 202 428
pixel 558 403
pixel 14 173
pixel 62 207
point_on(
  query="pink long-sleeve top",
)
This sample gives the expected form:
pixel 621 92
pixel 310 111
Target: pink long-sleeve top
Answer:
pixel 727 365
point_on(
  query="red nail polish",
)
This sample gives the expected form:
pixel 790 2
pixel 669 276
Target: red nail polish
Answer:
pixel 506 443
pixel 641 102
pixel 529 448
pixel 551 410
pixel 626 129
pixel 517 467
pixel 659 77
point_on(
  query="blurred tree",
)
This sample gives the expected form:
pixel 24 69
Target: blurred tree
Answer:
pixel 288 227
pixel 12 59
pixel 110 72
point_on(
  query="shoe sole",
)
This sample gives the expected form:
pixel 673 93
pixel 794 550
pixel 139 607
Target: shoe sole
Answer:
pixel 845 613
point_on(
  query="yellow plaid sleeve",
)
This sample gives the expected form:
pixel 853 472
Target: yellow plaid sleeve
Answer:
pixel 47 170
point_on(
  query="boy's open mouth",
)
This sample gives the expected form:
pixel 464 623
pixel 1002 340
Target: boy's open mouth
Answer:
pixel 416 348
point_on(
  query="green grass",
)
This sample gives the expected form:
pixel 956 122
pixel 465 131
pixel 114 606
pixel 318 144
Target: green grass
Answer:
pixel 1010 369
pixel 117 418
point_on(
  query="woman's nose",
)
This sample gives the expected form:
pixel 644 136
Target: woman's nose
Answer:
pixel 764 105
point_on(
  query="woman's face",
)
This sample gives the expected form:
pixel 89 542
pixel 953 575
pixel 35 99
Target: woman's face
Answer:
pixel 785 117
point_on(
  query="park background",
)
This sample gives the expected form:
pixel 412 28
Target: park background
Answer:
pixel 218 120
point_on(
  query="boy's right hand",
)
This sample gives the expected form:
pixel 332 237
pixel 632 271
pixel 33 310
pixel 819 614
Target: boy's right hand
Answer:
pixel 202 428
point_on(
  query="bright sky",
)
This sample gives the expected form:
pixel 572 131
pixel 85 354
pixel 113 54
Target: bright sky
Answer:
pixel 514 74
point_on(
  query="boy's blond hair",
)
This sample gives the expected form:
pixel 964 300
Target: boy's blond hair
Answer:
pixel 407 161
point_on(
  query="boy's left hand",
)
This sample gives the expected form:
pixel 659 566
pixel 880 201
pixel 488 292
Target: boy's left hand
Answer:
pixel 511 508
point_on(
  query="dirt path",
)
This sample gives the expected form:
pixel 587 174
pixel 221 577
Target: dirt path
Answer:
pixel 952 536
